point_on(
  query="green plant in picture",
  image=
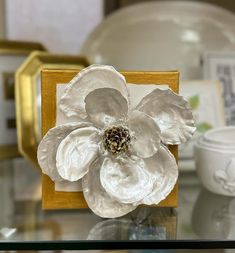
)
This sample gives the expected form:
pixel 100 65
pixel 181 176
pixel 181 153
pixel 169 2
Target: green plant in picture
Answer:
pixel 194 101
pixel 203 127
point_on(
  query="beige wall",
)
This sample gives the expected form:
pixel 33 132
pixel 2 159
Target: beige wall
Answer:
pixel 60 25
pixel 2 19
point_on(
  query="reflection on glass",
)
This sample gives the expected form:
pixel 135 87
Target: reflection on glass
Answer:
pixel 146 223
pixel 214 216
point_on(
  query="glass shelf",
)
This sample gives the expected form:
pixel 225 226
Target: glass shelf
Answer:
pixel 202 220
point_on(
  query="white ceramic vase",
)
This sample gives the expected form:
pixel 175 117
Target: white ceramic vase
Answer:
pixel 161 35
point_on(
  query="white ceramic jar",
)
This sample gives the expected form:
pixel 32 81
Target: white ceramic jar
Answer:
pixel 215 160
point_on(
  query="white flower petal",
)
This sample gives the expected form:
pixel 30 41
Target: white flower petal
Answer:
pixel 105 106
pixel 93 77
pixel 164 172
pixel 48 147
pixel 76 152
pixel 126 178
pixel 146 134
pixel 98 199
pixel 172 114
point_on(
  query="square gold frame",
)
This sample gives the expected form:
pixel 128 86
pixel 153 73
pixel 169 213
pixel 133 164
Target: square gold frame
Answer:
pixel 16 48
pixel 26 97
pixel 50 78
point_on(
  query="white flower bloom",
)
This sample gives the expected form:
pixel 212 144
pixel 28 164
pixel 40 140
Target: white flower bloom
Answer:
pixel 119 153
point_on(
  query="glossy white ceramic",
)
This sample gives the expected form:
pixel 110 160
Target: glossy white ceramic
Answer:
pixel 215 160
pixel 161 36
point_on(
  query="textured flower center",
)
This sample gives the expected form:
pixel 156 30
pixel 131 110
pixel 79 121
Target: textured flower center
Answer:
pixel 116 139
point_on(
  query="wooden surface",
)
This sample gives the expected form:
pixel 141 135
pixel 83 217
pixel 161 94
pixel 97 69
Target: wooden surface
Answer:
pixel 50 78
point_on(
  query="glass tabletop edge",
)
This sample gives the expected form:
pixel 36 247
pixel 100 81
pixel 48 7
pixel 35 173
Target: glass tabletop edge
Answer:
pixel 117 245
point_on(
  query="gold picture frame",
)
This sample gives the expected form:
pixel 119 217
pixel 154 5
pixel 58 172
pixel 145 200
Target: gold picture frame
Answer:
pixel 27 92
pixel 52 199
pixel 12 54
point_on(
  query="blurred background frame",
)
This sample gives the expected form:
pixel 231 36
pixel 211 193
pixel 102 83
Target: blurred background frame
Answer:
pixel 12 54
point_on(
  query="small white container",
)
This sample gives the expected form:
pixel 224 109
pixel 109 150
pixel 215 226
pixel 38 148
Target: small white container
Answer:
pixel 215 160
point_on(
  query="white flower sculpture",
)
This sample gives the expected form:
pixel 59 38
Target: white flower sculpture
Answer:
pixel 116 150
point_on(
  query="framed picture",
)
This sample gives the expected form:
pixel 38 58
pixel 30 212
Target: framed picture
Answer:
pixel 12 54
pixel 28 97
pixel 53 197
pixel 205 99
pixel 221 66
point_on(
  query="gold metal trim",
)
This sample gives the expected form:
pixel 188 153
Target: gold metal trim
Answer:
pixel 19 47
pixel 27 117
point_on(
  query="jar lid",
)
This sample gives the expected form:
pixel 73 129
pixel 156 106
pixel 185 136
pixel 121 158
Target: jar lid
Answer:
pixel 222 138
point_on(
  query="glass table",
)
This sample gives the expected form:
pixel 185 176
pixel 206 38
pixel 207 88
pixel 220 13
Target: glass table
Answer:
pixel 202 220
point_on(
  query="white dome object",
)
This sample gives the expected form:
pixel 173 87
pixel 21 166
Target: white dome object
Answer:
pixel 161 36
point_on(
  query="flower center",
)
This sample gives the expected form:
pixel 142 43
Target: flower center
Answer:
pixel 116 139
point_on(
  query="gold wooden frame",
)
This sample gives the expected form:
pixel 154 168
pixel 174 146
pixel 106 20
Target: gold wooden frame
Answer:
pixel 25 92
pixel 19 47
pixel 50 78
pixel 15 48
